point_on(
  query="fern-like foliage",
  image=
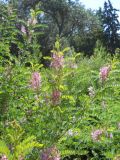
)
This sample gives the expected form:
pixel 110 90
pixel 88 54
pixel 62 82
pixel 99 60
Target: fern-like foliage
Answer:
pixel 26 146
pixel 17 147
pixel 4 150
pixel 67 153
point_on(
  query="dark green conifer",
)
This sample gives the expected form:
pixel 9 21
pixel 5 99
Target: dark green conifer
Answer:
pixel 111 26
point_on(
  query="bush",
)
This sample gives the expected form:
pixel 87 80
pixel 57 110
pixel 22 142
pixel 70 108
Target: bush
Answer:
pixel 71 108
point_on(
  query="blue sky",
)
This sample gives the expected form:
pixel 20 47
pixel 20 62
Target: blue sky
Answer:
pixel 95 4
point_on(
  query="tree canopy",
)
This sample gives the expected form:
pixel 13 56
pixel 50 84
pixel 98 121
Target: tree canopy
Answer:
pixel 77 26
pixel 110 25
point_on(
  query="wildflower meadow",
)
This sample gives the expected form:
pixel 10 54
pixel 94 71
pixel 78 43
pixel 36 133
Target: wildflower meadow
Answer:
pixel 68 109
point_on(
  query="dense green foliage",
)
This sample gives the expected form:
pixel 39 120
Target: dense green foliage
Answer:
pixel 68 110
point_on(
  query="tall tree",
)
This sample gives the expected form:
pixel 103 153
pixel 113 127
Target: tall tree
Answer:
pixel 111 26
pixel 71 21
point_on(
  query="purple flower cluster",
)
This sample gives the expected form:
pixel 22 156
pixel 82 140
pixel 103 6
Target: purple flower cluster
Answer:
pixel 56 97
pixel 51 153
pixel 109 135
pixel 23 29
pixel 96 135
pixel 35 81
pixel 104 72
pixel 3 157
pixel 57 61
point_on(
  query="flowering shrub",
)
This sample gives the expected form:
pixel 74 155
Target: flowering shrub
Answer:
pixel 61 107
pixel 64 106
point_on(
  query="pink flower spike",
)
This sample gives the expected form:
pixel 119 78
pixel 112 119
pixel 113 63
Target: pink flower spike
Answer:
pixel 35 80
pixel 51 153
pixel 57 61
pixel 56 97
pixel 23 29
pixel 96 135
pixel 111 135
pixel 104 72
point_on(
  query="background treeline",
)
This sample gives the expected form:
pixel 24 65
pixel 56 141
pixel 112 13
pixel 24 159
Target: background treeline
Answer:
pixel 76 26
